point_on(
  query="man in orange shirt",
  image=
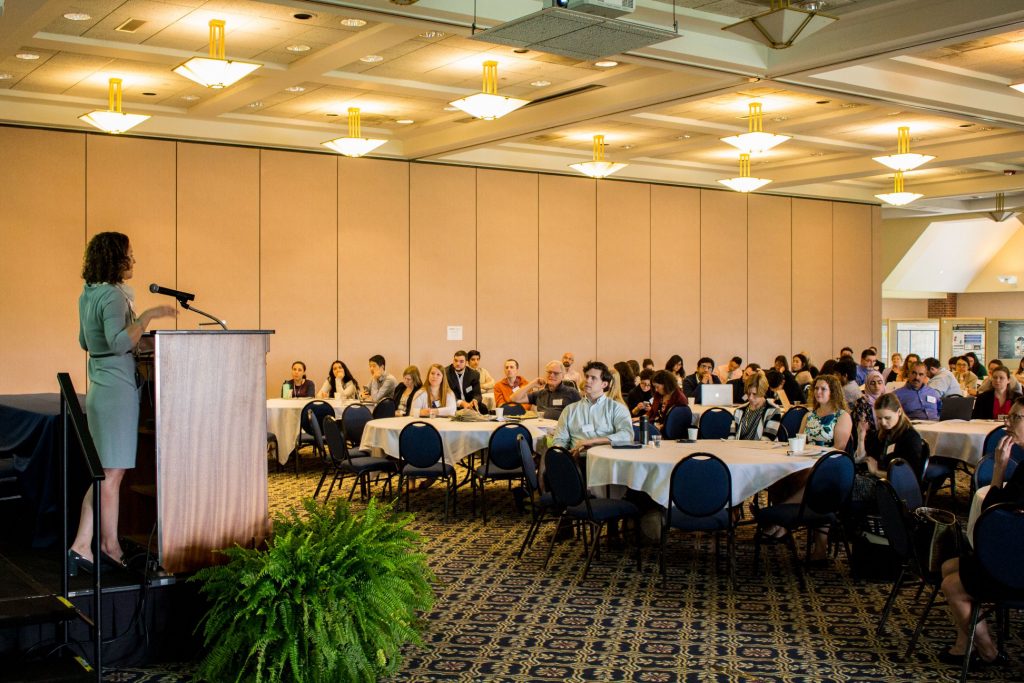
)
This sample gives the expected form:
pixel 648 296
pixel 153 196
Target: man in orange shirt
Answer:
pixel 509 384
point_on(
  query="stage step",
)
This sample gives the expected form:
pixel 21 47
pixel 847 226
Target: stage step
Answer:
pixel 64 670
pixel 43 609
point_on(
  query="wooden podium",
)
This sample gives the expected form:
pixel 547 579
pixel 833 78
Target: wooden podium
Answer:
pixel 208 428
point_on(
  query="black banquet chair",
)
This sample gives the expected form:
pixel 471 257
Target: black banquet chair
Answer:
pixel 538 502
pixel 421 456
pixel 714 424
pixel 384 408
pixel 569 492
pixel 312 413
pixel 827 491
pixel 513 409
pixel 956 408
pixel 700 500
pixel 679 420
pixel 791 422
pixel 345 464
pixel 502 463
pixel 353 422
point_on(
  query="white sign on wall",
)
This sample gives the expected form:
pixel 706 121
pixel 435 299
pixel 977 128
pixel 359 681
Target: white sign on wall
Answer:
pixel 455 333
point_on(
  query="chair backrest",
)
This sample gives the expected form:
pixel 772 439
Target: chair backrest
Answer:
pixel 564 478
pixel 513 409
pixel 651 431
pixel 420 445
pixel 904 480
pixel 353 422
pixel 527 463
pixel 679 419
pixel 926 456
pixel 896 521
pixel 983 472
pixel 999 544
pixel 791 421
pixel 830 483
pixel 956 408
pixel 314 427
pixel 714 424
pixel 701 485
pixel 992 440
pixel 314 411
pixel 384 408
pixel 336 448
pixel 502 449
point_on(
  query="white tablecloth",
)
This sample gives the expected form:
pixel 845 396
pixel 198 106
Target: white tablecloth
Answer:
pixel 283 416
pixel 460 438
pixel 960 439
pixel 699 409
pixel 754 465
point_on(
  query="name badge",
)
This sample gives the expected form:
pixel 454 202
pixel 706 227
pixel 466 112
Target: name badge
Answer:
pixel 588 430
pixel 436 404
pixel 890 448
pixel 930 399
pixel 556 401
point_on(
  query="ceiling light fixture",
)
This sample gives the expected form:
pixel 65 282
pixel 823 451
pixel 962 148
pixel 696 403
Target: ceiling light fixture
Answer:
pixel 371 59
pixel 744 182
pixel 405 122
pixel 432 34
pixel 899 197
pixel 113 120
pixel 27 56
pixel 781 26
pixel 755 141
pixel 489 105
pixel 353 145
pixel 77 16
pixel 215 71
pixel 1001 213
pixel 903 160
pixel 540 84
pixel 298 48
pixel 295 88
pixel 353 23
pixel 4 76
pixel 598 167
pixel 190 98
pixel 606 64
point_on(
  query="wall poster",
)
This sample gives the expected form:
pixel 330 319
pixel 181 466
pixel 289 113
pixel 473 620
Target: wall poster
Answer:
pixel 969 337
pixel 1011 339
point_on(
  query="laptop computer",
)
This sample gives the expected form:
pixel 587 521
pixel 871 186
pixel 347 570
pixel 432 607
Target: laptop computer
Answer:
pixel 716 394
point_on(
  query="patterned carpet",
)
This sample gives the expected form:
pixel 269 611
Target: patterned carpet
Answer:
pixel 499 619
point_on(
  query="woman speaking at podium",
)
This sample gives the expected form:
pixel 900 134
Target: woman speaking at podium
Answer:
pixel 109 330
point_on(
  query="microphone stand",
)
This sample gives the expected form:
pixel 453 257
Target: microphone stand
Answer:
pixel 184 304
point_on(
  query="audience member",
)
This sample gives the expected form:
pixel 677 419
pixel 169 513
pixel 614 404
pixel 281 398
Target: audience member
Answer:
pixel 975 365
pixel 549 394
pixel 675 365
pixel 863 409
pixel 868 358
pixel 731 370
pixel 666 397
pixel 996 402
pixel 738 390
pixel 509 384
pixel 1019 375
pixel 967 380
pixel 986 385
pixel 339 383
pixel 614 391
pixel 464 381
pixel 829 367
pixel 703 375
pixel 406 391
pixel 648 364
pixel 951 363
pixel 846 369
pixel 298 386
pixel 634 365
pixel 486 380
pixel 792 388
pixel 919 401
pixel 639 400
pixel 571 375
pixel 895 373
pixel 435 398
pixel 895 437
pixel 845 352
pixel 802 369
pixel 828 421
pixel 777 389
pixel 879 365
pixel 757 419
pixel 382 385
pixel 595 419
pixel 627 377
pixel 942 380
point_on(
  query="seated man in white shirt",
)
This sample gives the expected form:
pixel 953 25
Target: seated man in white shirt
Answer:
pixel 595 419
pixel 486 379
pixel 941 379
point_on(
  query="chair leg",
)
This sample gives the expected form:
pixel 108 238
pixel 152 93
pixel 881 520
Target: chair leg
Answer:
pixel 593 546
pixel 447 488
pixel 890 601
pixel 730 548
pixel 483 498
pixel 551 545
pixel 757 550
pixel 636 541
pixel 920 623
pixel 529 534
pixel 355 480
pixel 663 541
pixel 791 543
pixel 975 613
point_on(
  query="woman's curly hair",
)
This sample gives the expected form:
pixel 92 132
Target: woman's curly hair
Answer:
pixel 106 258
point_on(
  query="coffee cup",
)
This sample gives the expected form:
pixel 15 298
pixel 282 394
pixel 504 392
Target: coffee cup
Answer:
pixel 500 414
pixel 691 433
pixel 796 444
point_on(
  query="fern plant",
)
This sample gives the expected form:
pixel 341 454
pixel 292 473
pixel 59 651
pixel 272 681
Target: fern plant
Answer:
pixel 333 597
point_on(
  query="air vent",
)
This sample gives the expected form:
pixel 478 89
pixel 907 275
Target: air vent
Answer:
pixel 564 93
pixel 130 26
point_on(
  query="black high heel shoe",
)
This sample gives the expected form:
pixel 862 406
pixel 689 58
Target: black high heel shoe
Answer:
pixel 76 562
pixel 111 562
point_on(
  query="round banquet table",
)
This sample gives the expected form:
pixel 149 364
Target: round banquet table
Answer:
pixel 959 439
pixel 283 418
pixel 460 439
pixel 754 465
pixel 699 409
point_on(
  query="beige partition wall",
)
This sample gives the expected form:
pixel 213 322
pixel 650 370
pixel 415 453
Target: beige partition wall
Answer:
pixel 442 261
pixel 132 188
pixel 769 278
pixel 675 274
pixel 566 268
pixel 812 279
pixel 346 258
pixel 219 233
pixel 373 264
pixel 506 283
pixel 298 262
pixel 42 237
pixel 723 280
pixel 623 271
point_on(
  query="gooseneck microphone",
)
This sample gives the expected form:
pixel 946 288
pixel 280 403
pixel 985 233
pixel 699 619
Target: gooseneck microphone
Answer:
pixel 180 296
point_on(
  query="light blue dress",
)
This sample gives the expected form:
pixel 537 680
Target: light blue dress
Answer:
pixel 112 399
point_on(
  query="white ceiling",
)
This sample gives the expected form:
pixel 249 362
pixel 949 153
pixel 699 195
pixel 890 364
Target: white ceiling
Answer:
pixel 939 66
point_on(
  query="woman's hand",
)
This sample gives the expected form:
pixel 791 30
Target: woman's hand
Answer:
pixel 160 312
pixel 862 427
pixel 872 465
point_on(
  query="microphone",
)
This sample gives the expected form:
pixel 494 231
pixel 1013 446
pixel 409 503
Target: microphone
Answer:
pixel 183 297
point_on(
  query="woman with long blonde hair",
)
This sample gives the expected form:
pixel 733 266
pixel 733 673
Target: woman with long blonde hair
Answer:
pixel 435 398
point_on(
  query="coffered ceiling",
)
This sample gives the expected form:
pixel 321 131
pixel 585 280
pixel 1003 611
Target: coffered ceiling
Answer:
pixel 941 67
